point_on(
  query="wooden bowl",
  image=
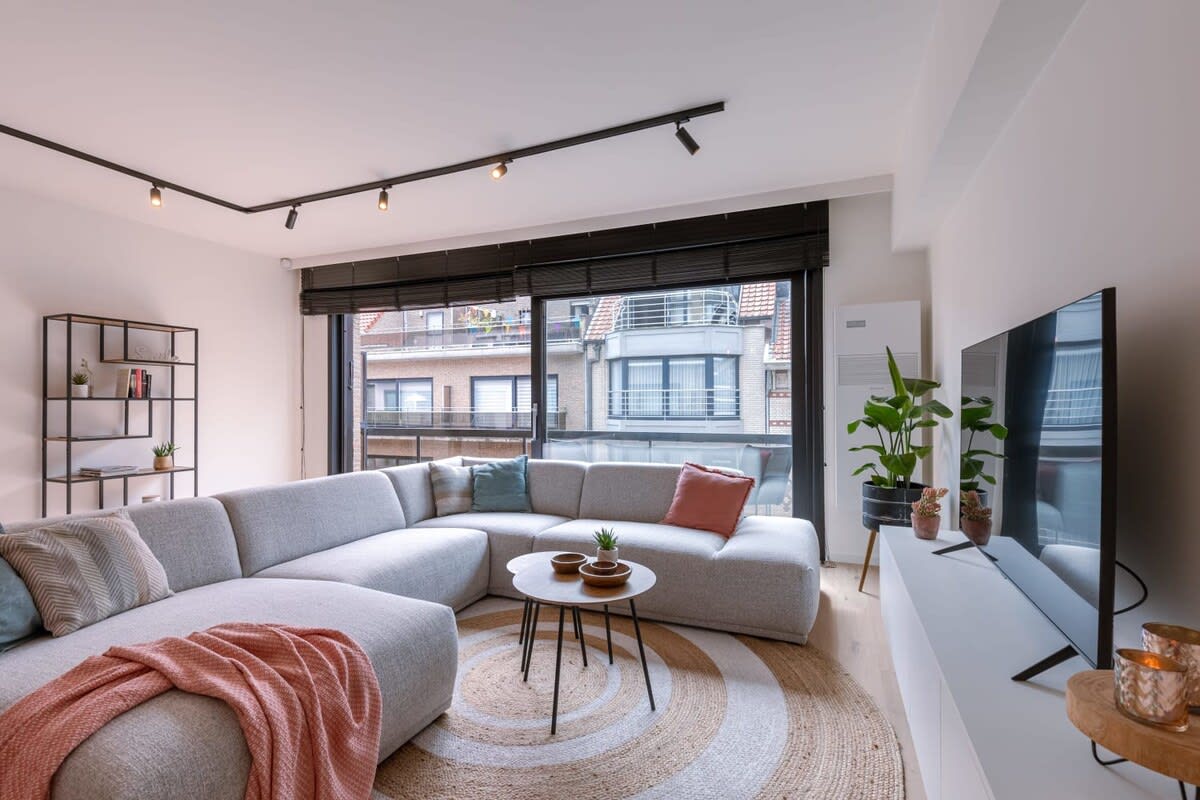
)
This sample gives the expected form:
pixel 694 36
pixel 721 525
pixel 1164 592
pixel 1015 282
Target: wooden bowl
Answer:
pixel 568 563
pixel 604 567
pixel 592 578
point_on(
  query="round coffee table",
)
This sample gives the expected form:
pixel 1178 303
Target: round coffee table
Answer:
pixel 515 565
pixel 544 586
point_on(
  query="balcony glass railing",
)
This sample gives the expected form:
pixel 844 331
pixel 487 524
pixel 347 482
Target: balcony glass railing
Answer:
pixel 673 403
pixel 677 309
pixel 481 336
pixel 460 419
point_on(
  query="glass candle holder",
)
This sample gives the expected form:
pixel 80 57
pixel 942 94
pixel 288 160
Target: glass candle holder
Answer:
pixel 1152 688
pixel 1181 644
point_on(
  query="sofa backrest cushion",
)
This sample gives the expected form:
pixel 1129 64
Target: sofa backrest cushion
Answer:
pixel 414 489
pixel 625 491
pixel 190 537
pixel 554 486
pixel 273 524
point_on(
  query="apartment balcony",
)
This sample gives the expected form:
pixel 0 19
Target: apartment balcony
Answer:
pixel 481 337
pixel 460 419
pixel 686 322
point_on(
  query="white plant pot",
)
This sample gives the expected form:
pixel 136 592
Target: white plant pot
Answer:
pixel 78 390
pixel 607 555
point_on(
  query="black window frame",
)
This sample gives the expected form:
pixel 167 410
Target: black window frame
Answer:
pixel 710 414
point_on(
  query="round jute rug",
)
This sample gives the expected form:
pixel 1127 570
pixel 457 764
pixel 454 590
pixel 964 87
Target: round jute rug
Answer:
pixel 737 717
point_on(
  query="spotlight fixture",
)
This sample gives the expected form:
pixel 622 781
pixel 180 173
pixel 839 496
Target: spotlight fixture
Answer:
pixel 291 219
pixel 155 197
pixel 499 171
pixel 383 199
pixel 685 138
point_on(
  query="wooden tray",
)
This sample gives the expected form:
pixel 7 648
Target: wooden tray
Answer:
pixel 617 578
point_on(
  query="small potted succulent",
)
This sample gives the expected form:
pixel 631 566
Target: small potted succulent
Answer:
pixel 606 545
pixel 927 513
pixel 976 518
pixel 164 455
pixel 81 380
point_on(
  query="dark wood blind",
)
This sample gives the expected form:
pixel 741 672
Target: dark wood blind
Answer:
pixel 737 246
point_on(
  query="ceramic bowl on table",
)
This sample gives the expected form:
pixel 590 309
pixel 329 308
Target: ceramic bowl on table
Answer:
pixel 568 563
pixel 604 567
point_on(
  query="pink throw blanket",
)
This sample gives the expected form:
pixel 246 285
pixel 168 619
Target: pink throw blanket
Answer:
pixel 307 699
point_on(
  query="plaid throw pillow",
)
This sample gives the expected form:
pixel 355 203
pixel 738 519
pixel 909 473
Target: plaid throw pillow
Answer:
pixel 81 571
pixel 452 488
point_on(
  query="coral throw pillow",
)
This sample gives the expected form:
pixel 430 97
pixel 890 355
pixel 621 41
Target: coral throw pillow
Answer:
pixel 708 499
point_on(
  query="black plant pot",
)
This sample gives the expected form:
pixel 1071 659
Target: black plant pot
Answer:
pixel 882 506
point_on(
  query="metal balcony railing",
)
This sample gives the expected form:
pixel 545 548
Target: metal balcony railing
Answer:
pixel 677 309
pixel 1074 408
pixel 481 336
pixel 674 403
pixel 460 418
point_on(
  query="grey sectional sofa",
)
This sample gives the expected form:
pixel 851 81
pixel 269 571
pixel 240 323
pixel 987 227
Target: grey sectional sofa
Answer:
pixel 366 554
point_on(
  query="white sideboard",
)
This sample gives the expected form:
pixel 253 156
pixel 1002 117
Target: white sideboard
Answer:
pixel 958 630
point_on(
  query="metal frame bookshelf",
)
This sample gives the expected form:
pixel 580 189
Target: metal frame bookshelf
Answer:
pixel 70 439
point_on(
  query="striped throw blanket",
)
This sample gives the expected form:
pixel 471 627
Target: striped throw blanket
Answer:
pixel 307 699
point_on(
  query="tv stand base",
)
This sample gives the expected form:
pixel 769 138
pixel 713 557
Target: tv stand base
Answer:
pixel 1052 660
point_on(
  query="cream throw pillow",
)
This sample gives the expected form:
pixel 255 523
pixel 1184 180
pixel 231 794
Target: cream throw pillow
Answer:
pixel 81 571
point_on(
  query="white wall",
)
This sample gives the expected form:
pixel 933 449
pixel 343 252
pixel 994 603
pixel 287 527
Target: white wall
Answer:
pixel 862 269
pixel 58 258
pixel 1093 184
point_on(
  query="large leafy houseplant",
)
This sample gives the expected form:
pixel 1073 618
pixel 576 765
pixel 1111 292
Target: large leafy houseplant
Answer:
pixel 896 421
pixel 976 417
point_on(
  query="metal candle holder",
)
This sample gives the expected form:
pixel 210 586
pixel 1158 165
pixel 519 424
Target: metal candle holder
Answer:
pixel 1181 644
pixel 1152 688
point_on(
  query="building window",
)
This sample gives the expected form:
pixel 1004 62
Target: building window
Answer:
pixel 781 380
pixel 506 401
pixel 400 401
pixel 579 310
pixel 435 320
pixel 674 387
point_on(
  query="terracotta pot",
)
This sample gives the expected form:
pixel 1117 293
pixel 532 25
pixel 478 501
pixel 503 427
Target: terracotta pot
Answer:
pixel 978 531
pixel 925 527
pixel 164 462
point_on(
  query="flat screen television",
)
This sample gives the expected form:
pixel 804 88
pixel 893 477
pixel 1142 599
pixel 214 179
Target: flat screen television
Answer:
pixel 1052 382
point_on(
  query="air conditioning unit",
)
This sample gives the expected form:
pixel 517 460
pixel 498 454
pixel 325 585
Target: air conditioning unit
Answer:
pixel 861 334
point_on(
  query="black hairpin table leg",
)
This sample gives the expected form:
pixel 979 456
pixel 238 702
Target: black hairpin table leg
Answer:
pixel 608 633
pixel 557 671
pixel 575 612
pixel 524 623
pixel 1111 761
pixel 641 651
pixel 529 638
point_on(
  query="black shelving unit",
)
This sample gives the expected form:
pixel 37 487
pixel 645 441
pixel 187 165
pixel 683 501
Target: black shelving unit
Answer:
pixel 69 438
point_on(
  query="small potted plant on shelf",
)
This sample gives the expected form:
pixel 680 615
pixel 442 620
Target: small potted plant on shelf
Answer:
pixel 81 380
pixel 975 518
pixel 896 421
pixel 164 455
pixel 606 545
pixel 927 513
pixel 976 418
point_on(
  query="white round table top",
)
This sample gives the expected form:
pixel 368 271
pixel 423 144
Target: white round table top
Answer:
pixel 534 559
pixel 547 586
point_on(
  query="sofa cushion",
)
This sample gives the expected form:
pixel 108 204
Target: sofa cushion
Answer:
pixel 81 571
pixel 453 487
pixel 445 566
pixel 554 486
pixel 708 499
pixel 184 745
pixel 414 489
pixel 509 535
pixel 633 492
pixel 191 538
pixel 274 524
pixel 501 486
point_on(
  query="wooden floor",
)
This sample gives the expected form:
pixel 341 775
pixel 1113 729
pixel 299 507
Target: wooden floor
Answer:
pixel 850 629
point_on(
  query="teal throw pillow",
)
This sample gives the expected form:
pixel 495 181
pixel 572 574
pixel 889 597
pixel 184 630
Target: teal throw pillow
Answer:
pixel 19 617
pixel 501 486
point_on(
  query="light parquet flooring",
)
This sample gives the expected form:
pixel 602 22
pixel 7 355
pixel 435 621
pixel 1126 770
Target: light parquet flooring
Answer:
pixel 850 629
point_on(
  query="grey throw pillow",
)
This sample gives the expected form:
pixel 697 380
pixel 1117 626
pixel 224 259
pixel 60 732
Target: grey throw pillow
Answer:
pixel 452 488
pixel 80 571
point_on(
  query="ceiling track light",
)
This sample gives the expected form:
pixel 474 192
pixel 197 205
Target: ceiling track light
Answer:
pixel 685 138
pixel 497 163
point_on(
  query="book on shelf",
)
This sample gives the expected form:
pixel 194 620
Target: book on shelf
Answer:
pixel 124 375
pixel 101 472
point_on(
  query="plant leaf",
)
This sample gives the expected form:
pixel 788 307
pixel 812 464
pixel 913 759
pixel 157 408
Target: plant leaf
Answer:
pixel 886 416
pixel 902 464
pixel 999 431
pixel 971 416
pixel 989 479
pixel 938 409
pixel 974 453
pixel 863 469
pixel 884 481
pixel 919 386
pixel 898 387
pixel 874 448
pixel 926 423
pixel 921 451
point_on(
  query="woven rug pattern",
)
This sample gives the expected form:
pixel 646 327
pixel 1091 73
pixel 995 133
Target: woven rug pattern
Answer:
pixel 737 717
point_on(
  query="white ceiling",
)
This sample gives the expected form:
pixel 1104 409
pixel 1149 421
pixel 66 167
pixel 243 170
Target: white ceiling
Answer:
pixel 257 101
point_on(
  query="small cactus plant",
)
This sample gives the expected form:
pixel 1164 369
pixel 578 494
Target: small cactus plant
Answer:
pixel 606 539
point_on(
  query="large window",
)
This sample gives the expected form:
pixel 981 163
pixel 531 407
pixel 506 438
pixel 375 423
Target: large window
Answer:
pixel 673 387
